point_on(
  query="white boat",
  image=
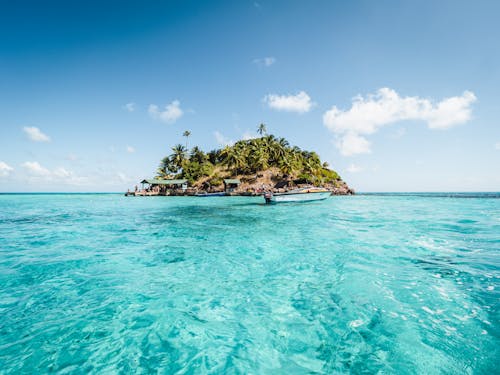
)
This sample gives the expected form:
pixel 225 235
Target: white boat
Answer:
pixel 298 195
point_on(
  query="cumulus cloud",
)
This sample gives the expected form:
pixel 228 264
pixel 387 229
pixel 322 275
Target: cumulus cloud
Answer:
pixel 353 168
pixel 130 107
pixel 130 149
pixel 368 114
pixel 300 103
pixel 5 169
pixel 36 134
pixel 352 144
pixel 265 61
pixel 37 172
pixel 222 140
pixel 35 169
pixel 169 115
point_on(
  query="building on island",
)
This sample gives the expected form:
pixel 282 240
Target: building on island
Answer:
pixel 230 184
pixel 161 187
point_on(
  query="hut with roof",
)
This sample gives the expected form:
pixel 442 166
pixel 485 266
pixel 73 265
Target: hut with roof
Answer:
pixel 162 187
pixel 231 184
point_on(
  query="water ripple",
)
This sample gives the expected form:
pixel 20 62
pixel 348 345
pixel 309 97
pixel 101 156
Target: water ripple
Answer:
pixel 365 284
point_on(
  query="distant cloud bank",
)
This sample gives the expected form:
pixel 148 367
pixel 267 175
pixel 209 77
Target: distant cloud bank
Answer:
pixel 37 172
pixel 368 114
pixel 169 115
pixel 300 103
pixel 36 134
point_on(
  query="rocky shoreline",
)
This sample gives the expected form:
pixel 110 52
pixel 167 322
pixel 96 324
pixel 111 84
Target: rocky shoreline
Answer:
pixel 250 185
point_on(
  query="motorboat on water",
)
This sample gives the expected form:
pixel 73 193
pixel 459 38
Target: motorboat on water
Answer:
pixel 298 195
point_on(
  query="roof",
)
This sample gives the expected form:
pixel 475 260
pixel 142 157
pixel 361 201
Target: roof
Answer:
pixel 232 181
pixel 163 182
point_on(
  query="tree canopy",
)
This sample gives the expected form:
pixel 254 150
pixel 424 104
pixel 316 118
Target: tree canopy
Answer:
pixel 247 157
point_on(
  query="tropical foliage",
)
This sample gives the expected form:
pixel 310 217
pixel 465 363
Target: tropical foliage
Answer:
pixel 247 157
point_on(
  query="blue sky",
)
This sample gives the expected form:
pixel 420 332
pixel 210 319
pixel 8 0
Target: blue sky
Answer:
pixel 395 95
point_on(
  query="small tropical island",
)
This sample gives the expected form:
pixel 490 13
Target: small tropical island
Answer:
pixel 249 167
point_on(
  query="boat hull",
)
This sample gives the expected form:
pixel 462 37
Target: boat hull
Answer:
pixel 297 197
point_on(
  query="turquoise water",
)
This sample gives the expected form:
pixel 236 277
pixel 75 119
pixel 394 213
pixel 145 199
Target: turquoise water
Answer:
pixel 365 284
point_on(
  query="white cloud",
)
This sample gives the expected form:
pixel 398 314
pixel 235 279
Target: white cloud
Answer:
pixel 36 134
pixel 249 135
pixel 130 149
pixel 60 175
pixel 353 168
pixel 5 169
pixel 497 146
pixel 352 144
pixel 300 103
pixel 265 61
pixel 451 111
pixel 222 140
pixel 367 115
pixel 35 169
pixel 170 115
pixel 130 107
pixel 61 172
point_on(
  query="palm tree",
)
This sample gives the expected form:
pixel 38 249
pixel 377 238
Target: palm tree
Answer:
pixel 233 158
pixel 214 156
pixel 197 155
pixel 186 134
pixel 286 165
pixel 178 157
pixel 262 129
pixel 163 167
pixel 258 157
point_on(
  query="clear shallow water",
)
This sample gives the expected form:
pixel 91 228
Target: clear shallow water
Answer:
pixel 364 284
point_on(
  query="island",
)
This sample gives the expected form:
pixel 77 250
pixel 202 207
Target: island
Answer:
pixel 248 167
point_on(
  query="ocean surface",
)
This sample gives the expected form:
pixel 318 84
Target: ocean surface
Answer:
pixel 391 283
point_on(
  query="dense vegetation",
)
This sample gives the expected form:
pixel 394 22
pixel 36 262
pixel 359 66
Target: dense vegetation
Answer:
pixel 246 157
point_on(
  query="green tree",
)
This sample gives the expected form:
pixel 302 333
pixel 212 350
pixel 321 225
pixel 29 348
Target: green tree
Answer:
pixel 198 155
pixel 178 157
pixel 259 158
pixel 233 158
pixel 186 134
pixel 214 156
pixel 262 129
pixel 245 157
